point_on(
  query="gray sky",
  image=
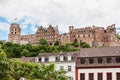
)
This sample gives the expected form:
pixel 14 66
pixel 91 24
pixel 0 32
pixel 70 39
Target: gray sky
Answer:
pixel 79 13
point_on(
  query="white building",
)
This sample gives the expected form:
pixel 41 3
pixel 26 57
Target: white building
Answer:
pixel 98 64
pixel 64 61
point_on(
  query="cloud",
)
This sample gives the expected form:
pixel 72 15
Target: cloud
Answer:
pixel 4 26
pixel 79 13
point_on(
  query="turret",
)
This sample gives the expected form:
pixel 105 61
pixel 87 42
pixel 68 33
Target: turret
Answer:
pixel 71 28
pixel 14 33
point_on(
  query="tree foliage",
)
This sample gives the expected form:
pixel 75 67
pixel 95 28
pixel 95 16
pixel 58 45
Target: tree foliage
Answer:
pixel 43 41
pixel 75 43
pixel 25 53
pixel 56 43
pixel 84 45
pixel 118 36
pixel 15 50
pixel 15 70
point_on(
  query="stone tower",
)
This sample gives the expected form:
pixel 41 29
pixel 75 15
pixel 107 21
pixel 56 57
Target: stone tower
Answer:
pixel 14 33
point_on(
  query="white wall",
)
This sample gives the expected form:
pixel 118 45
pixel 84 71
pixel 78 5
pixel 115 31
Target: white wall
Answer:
pixel 52 58
pixel 95 71
pixel 65 65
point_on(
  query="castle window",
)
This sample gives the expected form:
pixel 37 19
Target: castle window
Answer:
pixel 100 60
pixel 50 43
pixel 15 32
pixel 89 35
pixel 78 35
pixel 118 60
pixel 82 61
pixel 83 35
pixel 104 31
pixel 74 35
pixel 109 60
pixel 91 61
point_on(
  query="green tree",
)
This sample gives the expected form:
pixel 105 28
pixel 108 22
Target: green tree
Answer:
pixel 118 36
pixel 20 69
pixel 48 72
pixel 4 66
pixel 75 43
pixel 1 43
pixel 8 44
pixel 43 41
pixel 84 45
pixel 56 43
pixel 25 52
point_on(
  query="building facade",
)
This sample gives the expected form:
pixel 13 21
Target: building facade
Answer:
pixel 94 36
pixel 50 34
pixel 98 64
pixel 63 61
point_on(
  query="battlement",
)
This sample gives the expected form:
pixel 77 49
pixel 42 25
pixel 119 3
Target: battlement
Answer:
pixel 14 25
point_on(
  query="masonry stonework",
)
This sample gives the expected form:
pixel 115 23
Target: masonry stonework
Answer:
pixel 93 35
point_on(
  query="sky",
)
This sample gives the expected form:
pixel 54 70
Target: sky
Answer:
pixel 30 14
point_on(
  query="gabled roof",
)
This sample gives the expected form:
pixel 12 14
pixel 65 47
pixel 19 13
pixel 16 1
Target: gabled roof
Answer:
pixel 98 52
pixel 59 54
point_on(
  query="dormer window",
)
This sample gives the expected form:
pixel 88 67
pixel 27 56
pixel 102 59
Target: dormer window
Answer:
pixel 82 61
pixel 91 61
pixel 100 60
pixel 117 59
pixel 109 60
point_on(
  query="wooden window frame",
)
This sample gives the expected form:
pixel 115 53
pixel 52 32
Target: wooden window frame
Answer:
pixel 98 75
pixel 107 75
pixel 80 76
pixel 89 75
pixel 116 75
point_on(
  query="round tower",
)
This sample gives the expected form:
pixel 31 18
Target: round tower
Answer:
pixel 14 33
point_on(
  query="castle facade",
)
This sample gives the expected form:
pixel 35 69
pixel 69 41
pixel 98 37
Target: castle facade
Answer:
pixel 50 34
pixel 93 35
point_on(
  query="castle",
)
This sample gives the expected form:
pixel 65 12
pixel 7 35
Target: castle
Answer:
pixel 51 34
pixel 94 36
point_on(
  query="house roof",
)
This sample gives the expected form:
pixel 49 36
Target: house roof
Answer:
pixel 58 54
pixel 30 59
pixel 98 52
